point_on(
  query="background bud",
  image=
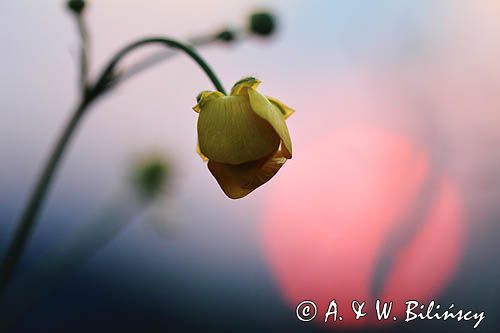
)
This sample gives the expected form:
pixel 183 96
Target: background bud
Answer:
pixel 150 176
pixel 262 23
pixel 76 6
pixel 227 35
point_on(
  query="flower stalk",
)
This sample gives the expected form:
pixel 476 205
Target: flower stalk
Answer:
pixel 260 24
pixel 91 92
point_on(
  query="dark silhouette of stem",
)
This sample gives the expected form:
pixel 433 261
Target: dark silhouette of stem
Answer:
pixel 84 51
pixel 28 218
pixel 65 258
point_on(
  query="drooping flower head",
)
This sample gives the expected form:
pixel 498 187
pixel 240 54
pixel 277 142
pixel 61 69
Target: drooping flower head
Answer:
pixel 243 136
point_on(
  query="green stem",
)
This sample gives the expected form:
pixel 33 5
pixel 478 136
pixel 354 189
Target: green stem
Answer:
pixel 84 51
pixel 65 258
pixel 31 210
pixel 108 72
pixel 162 55
pixel 28 218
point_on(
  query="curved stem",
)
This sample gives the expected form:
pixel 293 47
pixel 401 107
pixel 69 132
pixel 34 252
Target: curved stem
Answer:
pixel 31 210
pixel 162 55
pixel 108 72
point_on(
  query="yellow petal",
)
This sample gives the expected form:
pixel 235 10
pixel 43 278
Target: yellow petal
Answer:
pixel 239 180
pixel 248 82
pixel 204 97
pixel 266 110
pixel 285 110
pixel 230 132
pixel 198 151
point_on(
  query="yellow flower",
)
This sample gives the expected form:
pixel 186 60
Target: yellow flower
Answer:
pixel 243 136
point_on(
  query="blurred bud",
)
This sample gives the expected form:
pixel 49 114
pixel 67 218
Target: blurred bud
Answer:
pixel 227 35
pixel 150 176
pixel 262 23
pixel 76 6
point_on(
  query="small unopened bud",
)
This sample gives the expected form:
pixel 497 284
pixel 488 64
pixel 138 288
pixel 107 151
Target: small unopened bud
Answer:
pixel 262 23
pixel 76 6
pixel 227 36
pixel 150 176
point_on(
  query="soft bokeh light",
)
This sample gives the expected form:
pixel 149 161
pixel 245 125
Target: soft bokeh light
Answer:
pixel 364 183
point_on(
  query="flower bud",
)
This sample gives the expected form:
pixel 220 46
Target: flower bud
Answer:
pixel 243 136
pixel 262 23
pixel 76 6
pixel 227 36
pixel 150 176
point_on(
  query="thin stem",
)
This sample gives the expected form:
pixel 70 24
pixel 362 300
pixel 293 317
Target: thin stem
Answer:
pixel 84 51
pixel 31 211
pixel 416 216
pixel 65 258
pixel 160 56
pixel 108 73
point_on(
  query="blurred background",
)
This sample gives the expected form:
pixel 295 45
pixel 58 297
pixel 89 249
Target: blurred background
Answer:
pixel 393 189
